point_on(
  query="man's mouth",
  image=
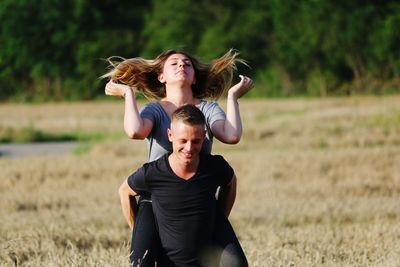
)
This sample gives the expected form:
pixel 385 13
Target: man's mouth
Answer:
pixel 187 155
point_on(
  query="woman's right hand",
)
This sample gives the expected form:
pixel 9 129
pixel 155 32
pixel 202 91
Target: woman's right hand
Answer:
pixel 116 89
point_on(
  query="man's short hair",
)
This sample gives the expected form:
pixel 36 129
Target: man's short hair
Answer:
pixel 188 114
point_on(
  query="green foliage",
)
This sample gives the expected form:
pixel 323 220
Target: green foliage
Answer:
pixel 56 50
pixel 167 25
pixel 269 83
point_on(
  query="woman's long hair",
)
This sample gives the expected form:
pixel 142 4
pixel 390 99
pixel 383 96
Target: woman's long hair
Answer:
pixel 213 79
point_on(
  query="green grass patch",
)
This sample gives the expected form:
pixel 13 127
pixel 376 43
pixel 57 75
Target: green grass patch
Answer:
pixel 337 131
pixel 385 122
pixel 280 113
pixel 30 134
pixel 321 144
pixel 83 148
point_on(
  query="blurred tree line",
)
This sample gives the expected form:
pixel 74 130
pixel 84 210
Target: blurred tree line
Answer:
pixel 55 49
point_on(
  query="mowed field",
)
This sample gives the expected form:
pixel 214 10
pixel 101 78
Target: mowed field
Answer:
pixel 318 185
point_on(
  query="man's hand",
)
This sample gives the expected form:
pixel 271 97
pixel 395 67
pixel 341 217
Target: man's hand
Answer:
pixel 128 203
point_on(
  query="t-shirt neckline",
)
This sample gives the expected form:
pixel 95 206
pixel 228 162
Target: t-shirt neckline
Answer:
pixel 178 177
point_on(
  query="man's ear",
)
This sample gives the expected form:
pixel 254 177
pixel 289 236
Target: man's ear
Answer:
pixel 169 133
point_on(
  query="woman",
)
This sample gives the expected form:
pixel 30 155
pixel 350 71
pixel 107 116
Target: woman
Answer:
pixel 176 78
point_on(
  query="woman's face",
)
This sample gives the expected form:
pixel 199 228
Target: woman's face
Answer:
pixel 178 68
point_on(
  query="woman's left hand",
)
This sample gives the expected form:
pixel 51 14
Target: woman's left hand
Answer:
pixel 241 88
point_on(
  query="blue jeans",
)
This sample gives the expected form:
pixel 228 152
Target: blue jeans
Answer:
pixel 146 247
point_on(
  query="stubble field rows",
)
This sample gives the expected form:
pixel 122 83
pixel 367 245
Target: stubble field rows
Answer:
pixel 319 185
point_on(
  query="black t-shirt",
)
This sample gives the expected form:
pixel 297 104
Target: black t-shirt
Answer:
pixel 184 209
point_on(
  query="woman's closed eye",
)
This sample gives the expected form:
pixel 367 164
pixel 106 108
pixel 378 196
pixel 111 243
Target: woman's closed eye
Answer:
pixel 186 64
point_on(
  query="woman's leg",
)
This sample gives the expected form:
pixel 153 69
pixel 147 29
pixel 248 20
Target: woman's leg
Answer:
pixel 231 252
pixel 145 238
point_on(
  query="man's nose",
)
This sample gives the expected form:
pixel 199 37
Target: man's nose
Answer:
pixel 188 146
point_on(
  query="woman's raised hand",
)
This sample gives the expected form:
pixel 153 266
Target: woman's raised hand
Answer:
pixel 116 89
pixel 241 88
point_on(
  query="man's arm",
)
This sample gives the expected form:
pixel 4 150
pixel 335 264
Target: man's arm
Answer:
pixel 128 202
pixel 227 196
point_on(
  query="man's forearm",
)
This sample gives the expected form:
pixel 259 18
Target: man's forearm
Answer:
pixel 227 196
pixel 128 203
pixel 128 212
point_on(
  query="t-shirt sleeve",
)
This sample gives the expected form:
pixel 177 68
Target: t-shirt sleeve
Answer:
pixel 225 171
pixel 137 181
pixel 147 112
pixel 213 112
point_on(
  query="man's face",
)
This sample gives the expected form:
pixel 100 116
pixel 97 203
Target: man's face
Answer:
pixel 187 140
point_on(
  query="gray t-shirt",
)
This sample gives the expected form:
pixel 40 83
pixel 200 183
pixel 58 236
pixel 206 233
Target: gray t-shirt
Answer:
pixel 157 140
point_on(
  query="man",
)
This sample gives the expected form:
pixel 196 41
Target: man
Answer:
pixel 183 185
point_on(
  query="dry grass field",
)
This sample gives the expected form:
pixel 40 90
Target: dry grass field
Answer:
pixel 319 185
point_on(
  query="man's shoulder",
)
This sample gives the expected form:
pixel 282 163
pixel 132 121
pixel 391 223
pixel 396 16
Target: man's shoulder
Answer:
pixel 214 159
pixel 159 163
pixel 156 166
pixel 214 156
pixel 149 170
pixel 217 166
